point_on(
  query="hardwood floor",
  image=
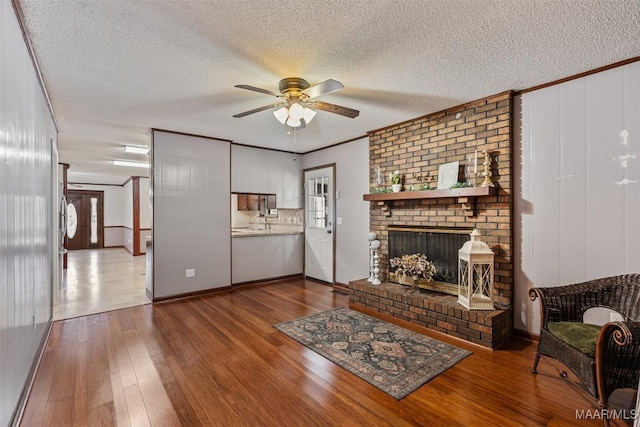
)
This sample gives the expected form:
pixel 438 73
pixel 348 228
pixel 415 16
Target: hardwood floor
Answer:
pixel 216 360
pixel 99 280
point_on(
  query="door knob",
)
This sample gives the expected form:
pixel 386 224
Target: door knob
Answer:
pixel 328 231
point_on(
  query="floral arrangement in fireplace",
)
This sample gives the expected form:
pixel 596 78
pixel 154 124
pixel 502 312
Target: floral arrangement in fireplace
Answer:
pixel 413 265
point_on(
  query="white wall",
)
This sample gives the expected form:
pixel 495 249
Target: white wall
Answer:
pixel 145 204
pixel 28 230
pixel 192 214
pixel 127 216
pixel 577 202
pixel 255 170
pixel 352 175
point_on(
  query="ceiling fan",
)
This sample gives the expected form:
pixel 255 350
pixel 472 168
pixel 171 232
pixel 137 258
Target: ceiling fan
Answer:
pixel 297 103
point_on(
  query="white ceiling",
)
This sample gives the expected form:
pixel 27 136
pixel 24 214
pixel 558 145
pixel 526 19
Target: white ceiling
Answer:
pixel 115 69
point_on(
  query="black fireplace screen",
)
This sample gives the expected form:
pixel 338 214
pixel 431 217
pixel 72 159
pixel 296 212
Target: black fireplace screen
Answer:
pixel 440 245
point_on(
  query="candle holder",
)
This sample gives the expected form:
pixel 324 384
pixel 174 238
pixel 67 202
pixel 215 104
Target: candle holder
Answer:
pixel 471 170
pixel 375 245
pixel 372 236
pixel 487 170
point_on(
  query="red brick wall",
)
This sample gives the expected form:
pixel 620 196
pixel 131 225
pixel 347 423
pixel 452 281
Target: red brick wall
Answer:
pixel 418 147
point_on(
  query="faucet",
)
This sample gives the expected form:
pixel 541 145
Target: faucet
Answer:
pixel 267 225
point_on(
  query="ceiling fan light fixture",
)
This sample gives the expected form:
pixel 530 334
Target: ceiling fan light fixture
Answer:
pixel 282 114
pixel 294 123
pixel 308 114
pixel 296 111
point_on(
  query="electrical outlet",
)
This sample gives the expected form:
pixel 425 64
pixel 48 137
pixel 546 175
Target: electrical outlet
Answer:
pixel 615 317
pixel 190 272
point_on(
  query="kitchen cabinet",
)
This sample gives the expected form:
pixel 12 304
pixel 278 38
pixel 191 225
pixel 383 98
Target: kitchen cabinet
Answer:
pixel 266 257
pixel 250 202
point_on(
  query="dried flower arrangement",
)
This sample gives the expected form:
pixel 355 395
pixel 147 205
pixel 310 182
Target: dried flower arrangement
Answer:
pixel 413 265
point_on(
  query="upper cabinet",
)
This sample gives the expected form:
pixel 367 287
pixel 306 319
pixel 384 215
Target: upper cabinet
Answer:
pixel 248 202
pixel 256 202
pixel 256 170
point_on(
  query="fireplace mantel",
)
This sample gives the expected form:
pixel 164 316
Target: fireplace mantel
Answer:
pixel 466 197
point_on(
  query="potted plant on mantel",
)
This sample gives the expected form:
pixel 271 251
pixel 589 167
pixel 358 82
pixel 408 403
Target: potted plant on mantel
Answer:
pixel 396 181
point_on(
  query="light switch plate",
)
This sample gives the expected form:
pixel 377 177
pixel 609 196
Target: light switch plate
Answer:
pixel 339 220
pixel 190 272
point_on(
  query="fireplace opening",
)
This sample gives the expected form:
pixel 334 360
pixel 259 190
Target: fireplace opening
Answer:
pixel 440 245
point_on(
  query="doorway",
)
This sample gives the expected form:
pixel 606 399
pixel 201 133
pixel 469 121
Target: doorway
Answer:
pixel 319 210
pixel 85 229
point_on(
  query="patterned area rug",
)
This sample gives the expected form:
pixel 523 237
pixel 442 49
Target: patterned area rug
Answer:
pixel 394 359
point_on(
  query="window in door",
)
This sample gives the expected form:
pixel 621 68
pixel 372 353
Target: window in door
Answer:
pixel 318 192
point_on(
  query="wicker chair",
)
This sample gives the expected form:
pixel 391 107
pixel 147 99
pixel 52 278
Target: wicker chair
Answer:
pixel 616 362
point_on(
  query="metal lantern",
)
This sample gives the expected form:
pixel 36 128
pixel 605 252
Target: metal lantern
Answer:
pixel 475 274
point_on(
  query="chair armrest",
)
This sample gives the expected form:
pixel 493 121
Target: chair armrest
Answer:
pixel 618 357
pixel 560 303
pixel 621 333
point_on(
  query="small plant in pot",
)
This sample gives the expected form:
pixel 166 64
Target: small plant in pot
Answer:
pixel 396 181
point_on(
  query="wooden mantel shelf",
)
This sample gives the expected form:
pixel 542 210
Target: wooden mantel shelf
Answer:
pixel 466 196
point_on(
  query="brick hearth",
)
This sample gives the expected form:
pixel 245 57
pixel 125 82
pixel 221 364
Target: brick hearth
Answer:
pixel 433 310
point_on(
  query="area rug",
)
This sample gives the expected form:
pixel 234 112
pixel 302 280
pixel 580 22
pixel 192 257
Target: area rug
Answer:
pixel 394 359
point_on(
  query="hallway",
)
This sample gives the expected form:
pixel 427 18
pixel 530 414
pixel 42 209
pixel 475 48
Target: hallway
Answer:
pixel 99 280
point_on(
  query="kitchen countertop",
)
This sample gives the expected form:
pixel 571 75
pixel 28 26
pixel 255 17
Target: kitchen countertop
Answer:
pixel 260 232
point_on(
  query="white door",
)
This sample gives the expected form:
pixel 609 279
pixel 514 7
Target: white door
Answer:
pixel 319 227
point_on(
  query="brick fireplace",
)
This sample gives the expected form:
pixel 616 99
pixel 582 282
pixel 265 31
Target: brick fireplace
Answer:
pixel 417 148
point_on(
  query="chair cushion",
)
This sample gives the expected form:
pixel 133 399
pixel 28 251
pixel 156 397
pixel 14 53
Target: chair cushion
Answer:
pixel 581 336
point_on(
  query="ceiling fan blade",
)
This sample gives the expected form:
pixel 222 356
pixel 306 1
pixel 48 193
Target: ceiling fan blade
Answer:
pixel 323 88
pixel 255 110
pixel 337 109
pixel 257 89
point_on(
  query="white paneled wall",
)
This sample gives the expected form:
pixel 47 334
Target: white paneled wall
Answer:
pixel 256 170
pixel 127 215
pixel 578 198
pixel 145 204
pixel 28 231
pixel 191 214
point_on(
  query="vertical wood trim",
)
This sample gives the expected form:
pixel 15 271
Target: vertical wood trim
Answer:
pixel 65 168
pixel 150 268
pixel 136 215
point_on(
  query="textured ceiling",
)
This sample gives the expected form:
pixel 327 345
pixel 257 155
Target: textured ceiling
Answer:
pixel 115 69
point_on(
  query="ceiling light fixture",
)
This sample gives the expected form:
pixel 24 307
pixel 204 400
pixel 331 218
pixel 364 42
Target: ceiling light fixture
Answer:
pixel 132 164
pixel 294 115
pixel 136 149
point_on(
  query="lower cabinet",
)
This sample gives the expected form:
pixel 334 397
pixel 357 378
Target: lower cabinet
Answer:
pixel 266 257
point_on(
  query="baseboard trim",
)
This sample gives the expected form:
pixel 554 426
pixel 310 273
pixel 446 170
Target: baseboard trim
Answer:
pixel 269 281
pixel 254 283
pixel 529 336
pixel 191 294
pixel 16 418
pixel 343 288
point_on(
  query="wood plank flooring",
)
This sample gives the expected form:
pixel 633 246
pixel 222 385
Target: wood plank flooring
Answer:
pixel 99 280
pixel 216 360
